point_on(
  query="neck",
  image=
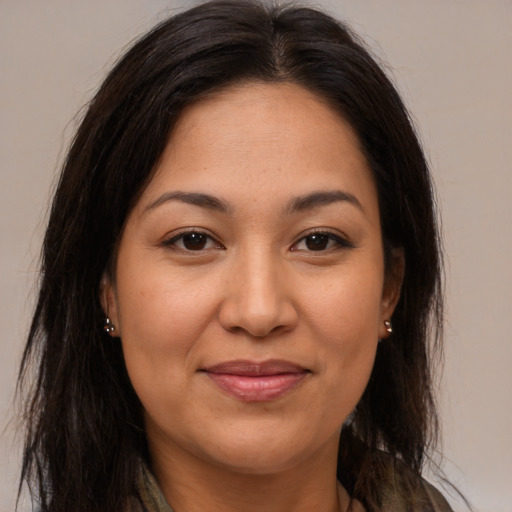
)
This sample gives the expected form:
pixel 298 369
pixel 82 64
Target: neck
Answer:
pixel 192 484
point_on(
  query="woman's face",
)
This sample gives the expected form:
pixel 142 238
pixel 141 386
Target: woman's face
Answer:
pixel 250 290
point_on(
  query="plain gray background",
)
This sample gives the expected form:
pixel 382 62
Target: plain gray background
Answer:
pixel 452 62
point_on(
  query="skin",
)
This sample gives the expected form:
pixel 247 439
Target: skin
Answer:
pixel 253 290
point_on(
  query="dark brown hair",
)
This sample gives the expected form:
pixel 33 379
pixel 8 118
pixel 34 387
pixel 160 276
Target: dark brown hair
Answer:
pixel 85 434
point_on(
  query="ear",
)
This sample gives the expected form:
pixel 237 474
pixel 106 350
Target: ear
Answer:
pixel 108 302
pixel 391 290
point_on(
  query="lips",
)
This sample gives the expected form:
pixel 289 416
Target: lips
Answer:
pixel 256 382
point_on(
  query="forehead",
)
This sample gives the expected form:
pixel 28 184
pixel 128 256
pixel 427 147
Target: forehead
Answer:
pixel 275 138
pixel 264 113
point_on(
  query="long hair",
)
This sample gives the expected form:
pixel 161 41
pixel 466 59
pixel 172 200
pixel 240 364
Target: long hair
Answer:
pixel 85 434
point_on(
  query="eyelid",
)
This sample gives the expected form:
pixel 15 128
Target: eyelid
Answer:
pixel 169 241
pixel 342 240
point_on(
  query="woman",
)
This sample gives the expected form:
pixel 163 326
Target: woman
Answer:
pixel 240 271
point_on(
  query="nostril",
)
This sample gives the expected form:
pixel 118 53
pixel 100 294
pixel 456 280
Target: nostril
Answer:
pixel 258 334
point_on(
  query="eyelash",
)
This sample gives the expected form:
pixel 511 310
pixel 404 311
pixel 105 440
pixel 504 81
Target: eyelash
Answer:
pixel 172 242
pixel 339 241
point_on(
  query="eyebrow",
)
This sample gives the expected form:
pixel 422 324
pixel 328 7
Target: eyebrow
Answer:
pixel 322 198
pixel 195 198
pixel 297 204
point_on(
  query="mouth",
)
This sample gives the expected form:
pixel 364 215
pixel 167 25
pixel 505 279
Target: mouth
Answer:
pixel 250 381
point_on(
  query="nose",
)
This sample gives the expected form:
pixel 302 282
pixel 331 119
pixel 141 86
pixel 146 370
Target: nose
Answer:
pixel 258 298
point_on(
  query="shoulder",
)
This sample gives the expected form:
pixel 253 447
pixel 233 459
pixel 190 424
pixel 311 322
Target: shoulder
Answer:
pixel 424 498
pixel 403 490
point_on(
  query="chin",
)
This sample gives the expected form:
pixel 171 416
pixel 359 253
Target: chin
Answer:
pixel 268 451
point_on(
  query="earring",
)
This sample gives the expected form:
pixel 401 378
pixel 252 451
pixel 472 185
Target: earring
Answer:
pixel 387 324
pixel 108 326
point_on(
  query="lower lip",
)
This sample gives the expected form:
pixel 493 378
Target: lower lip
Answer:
pixel 260 388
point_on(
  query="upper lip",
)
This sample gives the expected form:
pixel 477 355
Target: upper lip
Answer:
pixel 255 369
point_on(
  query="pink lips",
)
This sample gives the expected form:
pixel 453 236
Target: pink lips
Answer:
pixel 256 382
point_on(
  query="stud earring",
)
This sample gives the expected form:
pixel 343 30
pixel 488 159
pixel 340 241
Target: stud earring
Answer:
pixel 387 324
pixel 108 326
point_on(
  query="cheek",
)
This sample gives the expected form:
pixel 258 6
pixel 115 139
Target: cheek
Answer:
pixel 344 318
pixel 346 308
pixel 160 307
pixel 162 316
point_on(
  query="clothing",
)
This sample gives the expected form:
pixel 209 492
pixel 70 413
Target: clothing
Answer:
pixel 150 498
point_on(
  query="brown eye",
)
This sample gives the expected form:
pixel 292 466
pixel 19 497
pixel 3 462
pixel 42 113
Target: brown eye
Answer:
pixel 321 241
pixel 194 241
pixel 317 241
